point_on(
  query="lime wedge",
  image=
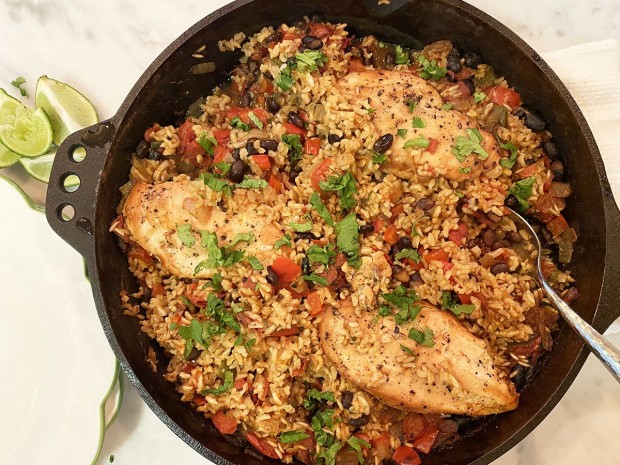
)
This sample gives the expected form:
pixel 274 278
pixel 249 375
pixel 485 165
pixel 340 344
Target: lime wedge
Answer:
pixel 41 167
pixel 30 135
pixel 7 158
pixel 67 109
pixel 10 108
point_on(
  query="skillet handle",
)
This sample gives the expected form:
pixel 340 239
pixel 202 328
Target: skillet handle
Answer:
pixel 70 211
pixel 611 281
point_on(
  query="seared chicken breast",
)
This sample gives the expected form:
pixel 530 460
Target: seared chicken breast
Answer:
pixel 397 98
pixel 454 375
pixel 153 214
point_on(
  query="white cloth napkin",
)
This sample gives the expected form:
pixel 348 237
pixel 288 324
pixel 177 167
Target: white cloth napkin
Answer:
pixel 591 73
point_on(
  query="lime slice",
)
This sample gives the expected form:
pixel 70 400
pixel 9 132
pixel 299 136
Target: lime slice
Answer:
pixel 41 167
pixel 30 135
pixel 67 109
pixel 10 108
pixel 7 158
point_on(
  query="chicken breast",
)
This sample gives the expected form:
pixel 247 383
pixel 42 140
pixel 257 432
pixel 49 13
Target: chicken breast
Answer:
pixel 456 375
pixel 374 271
pixel 391 94
pixel 153 213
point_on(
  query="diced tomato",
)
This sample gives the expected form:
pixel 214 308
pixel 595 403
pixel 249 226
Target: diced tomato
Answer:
pixel 413 426
pixel 436 255
pixel 158 289
pixel 463 89
pixel 240 383
pixel 275 183
pixel 222 136
pixel 186 137
pixel 464 73
pixel 320 30
pixel 197 300
pixel 284 332
pixel 526 348
pixel 148 134
pixel 547 183
pixel 424 443
pixel 447 266
pixel 528 170
pixel 381 445
pixel 464 298
pixel 312 146
pixel 199 400
pixel 340 259
pixel 139 253
pixel 557 225
pixel 457 235
pixel 390 235
pixel 432 145
pixel 286 270
pixel 404 455
pixel 243 113
pixel 546 203
pixel 224 423
pixel 261 445
pixel 262 161
pixel 356 65
pixel 320 173
pixel 290 36
pixel 292 129
pixel 501 95
pixel 220 154
pixel 316 303
pixel 396 210
pixel 378 224
pixel 547 268
pixel 412 264
pixel 191 152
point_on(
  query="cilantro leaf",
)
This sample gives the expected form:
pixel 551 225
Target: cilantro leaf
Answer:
pixel 285 81
pixel 356 444
pixel 347 238
pixel 315 278
pixel 418 123
pixel 257 122
pixel 329 454
pixel 208 143
pixel 465 170
pixel 310 60
pixel 315 397
pixel 522 190
pixel 184 231
pixel 417 142
pixel 289 437
pixel 223 167
pixel 285 240
pixel 448 303
pixel 319 206
pixel 412 103
pixel 249 344
pixel 401 133
pixel 407 350
pixel 405 302
pixel 447 106
pixel 295 149
pixel 378 158
pixel 236 122
pixel 301 227
pixel 344 185
pixel 217 310
pixel 479 97
pixel 18 82
pixel 401 57
pixel 216 282
pixel 250 183
pixel 425 338
pixel 222 388
pixel 430 69
pixel 322 255
pixel 255 263
pixel 242 237
pixel 409 253
pixel 216 183
pixel 508 162
pixel 192 335
pixel 470 144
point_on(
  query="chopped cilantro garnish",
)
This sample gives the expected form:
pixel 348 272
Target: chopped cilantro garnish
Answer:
pixel 356 444
pixel 319 206
pixel 285 81
pixel 186 301
pixel 236 122
pixel 448 303
pixel 407 350
pixel 370 111
pixel 217 183
pixel 315 278
pixel 184 232
pixel 18 82
pixel 409 253
pixel 379 158
pixel 465 170
pixel 347 238
pixel 315 397
pixel 470 144
pixel 522 190
pixel 329 455
pixel 322 255
pixel 310 60
pixel 285 240
pixel 401 57
pixel 249 344
pixel 257 122
pixel 173 326
pixel 193 334
pixel 401 133
pixel 216 282
pixel 301 227
pixel 250 183
pixel 344 185
pixel 418 123
pixel 222 388
pixel 289 437
pixel 255 264
pixel 479 97
pixel 508 162
pixel 411 103
pixel 208 143
pixel 223 167
pixel 242 237
pixel 295 149
pixel 447 106
pixel 417 142
pixel 405 302
pixel 221 256
pixel 430 69
pixel 425 338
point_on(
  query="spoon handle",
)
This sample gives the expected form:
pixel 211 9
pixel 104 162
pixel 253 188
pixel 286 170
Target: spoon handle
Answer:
pixel 602 348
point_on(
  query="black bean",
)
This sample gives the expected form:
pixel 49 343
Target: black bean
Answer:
pixel 389 462
pixel 415 278
pixel 269 144
pixel 366 61
pixel 275 37
pixel 236 154
pixel 312 43
pixel 557 168
pixel 454 52
pixel 305 235
pixel 498 245
pixel 245 100
pixel 305 265
pixel 390 58
pixel 383 143
pixel 142 150
pixel 361 421
pixel 366 229
pixel 520 113
pixel 378 176
pixel 514 237
pixel 294 172
pixel 500 268
pixel 272 105
pixel 237 170
pixel 272 277
pixel 523 376
pixel 450 77
pixel 347 399
pixel 194 354
pixel 469 83
pixel 471 243
pixel 302 49
pixel 534 122
pixel 249 146
pixel 471 60
pixel 511 201
pixel 551 149
pixel 153 155
pixel 425 204
pixel 404 243
pixel 488 237
pixel 333 138
pixel 295 119
pixel 453 63
pixel 222 205
pixel 400 274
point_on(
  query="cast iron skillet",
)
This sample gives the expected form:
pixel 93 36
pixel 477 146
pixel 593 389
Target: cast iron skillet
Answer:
pixel 167 88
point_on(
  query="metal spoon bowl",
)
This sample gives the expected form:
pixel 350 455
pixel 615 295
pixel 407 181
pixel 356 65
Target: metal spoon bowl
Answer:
pixel 608 354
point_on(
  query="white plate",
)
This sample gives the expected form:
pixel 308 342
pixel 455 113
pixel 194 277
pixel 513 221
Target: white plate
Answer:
pixel 55 362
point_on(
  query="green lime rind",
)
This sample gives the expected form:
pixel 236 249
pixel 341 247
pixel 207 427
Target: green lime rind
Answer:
pixel 68 109
pixel 7 157
pixel 30 135
pixel 10 109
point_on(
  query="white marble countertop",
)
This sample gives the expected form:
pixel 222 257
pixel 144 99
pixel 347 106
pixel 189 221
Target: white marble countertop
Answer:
pixel 102 48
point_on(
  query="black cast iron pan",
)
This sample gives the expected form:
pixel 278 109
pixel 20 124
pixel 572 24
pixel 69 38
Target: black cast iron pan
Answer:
pixel 168 87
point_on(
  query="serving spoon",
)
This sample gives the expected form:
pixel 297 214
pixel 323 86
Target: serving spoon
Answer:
pixel 599 345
